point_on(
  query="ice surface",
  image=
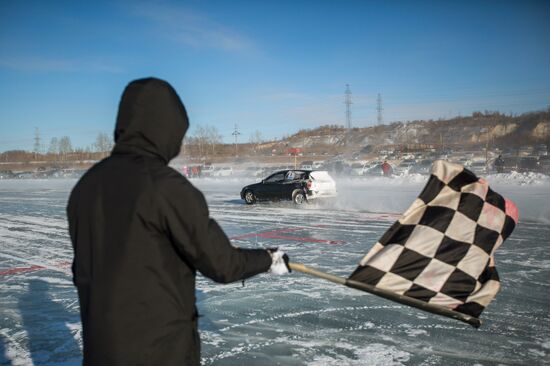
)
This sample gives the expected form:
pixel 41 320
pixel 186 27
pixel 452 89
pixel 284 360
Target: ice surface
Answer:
pixel 293 319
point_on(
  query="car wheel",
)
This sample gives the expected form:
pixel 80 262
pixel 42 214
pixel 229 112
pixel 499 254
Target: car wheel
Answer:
pixel 249 197
pixel 299 197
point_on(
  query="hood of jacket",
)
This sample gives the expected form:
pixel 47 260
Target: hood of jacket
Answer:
pixel 151 120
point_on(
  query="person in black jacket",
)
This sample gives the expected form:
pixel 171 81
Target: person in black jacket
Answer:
pixel 499 164
pixel 140 231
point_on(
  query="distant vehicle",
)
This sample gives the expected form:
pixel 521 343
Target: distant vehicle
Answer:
pixel 528 164
pixel 274 169
pixel 317 164
pixel 299 186
pixel 52 173
pixel 255 171
pixel 422 167
pixel 405 166
pixel 510 163
pixel 206 170
pixel 24 175
pixel 307 165
pixel 541 150
pixel 478 167
pixel 357 169
pixel 6 174
pixel 464 161
pixel 544 163
pixel 373 169
pixel 225 171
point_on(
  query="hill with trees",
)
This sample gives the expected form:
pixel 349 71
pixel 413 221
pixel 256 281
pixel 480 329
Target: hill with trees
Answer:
pixel 204 143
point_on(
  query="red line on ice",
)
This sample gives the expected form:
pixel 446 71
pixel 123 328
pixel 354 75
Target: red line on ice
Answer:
pixel 275 234
pixel 300 238
pixel 16 270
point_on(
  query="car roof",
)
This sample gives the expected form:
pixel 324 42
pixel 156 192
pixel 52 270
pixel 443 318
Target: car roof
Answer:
pixel 292 170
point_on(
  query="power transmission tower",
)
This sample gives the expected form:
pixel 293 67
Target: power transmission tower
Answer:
pixel 379 109
pixel 348 103
pixel 236 133
pixel 37 145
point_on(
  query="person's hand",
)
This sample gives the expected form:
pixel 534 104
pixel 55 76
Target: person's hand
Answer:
pixel 279 265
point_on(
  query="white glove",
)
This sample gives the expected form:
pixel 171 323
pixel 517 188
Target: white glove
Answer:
pixel 279 266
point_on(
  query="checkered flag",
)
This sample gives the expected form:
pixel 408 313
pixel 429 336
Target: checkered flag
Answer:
pixel 441 250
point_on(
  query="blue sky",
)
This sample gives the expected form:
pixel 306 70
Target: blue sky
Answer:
pixel 272 66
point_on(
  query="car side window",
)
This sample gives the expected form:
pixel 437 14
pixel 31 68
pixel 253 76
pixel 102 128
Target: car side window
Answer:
pixel 279 177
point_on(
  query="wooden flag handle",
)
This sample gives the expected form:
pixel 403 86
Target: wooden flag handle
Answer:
pixel 405 300
pixel 299 267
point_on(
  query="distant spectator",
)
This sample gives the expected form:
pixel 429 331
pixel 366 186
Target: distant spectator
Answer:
pixel 195 171
pixel 499 164
pixel 387 170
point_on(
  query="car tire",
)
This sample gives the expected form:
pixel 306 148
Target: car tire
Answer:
pixel 298 197
pixel 249 197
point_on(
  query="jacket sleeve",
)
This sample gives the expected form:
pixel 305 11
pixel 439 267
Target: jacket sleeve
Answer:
pixel 200 239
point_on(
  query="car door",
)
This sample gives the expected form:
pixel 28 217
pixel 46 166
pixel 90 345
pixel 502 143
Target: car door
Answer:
pixel 292 179
pixel 271 186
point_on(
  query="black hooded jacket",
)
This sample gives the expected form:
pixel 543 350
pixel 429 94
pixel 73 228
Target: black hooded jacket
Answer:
pixel 140 231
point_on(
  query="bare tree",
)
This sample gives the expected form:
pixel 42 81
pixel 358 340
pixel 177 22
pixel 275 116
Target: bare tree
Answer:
pixel 65 146
pixel 200 138
pixel 103 143
pixel 214 137
pixel 54 146
pixel 256 139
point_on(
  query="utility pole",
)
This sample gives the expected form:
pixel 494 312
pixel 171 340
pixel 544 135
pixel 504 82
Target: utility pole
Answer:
pixel 487 150
pixel 36 148
pixel 236 133
pixel 379 109
pixel 348 103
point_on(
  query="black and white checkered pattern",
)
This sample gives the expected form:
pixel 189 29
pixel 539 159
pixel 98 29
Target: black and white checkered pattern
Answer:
pixel 441 250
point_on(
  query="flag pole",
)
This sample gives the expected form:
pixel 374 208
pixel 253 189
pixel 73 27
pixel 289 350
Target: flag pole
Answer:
pixel 405 300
